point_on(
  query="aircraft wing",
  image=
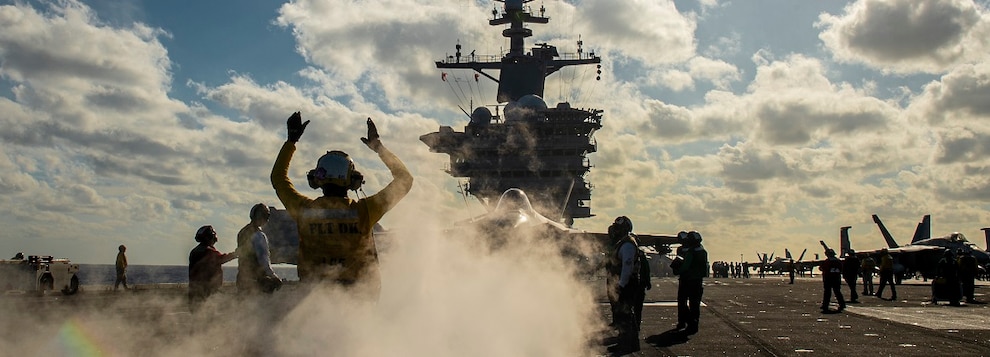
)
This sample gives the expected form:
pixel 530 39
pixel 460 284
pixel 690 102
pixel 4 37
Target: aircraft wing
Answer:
pixel 907 249
pixel 809 264
pixel 512 216
pixel 914 249
pixel 656 240
pixel 642 239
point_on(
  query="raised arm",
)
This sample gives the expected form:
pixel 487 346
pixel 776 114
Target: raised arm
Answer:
pixel 284 188
pixel 402 180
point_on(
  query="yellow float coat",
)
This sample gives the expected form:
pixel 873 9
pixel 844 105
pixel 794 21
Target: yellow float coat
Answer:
pixel 335 233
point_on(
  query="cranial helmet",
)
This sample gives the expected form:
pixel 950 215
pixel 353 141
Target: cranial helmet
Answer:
pixel 205 234
pixel 260 210
pixel 623 224
pixel 335 168
pixel 694 236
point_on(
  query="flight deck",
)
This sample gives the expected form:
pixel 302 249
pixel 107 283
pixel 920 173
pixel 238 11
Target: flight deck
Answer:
pixel 769 317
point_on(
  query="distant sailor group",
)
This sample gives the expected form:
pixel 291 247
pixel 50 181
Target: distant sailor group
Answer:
pixel 954 279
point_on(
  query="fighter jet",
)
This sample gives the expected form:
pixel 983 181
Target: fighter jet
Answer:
pixel 801 265
pixel 781 265
pixel 513 218
pixel 768 264
pixel 924 252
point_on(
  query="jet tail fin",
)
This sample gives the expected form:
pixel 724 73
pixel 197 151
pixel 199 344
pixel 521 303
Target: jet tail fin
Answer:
pixel 924 230
pixel 802 254
pixel 987 232
pixel 886 235
pixel 787 254
pixel 844 239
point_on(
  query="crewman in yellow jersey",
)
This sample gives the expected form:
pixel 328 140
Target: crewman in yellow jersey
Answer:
pixel 335 232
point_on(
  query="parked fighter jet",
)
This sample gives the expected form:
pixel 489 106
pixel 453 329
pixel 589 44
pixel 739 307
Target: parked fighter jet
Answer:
pixel 781 265
pixel 763 266
pixel 924 252
pixel 778 265
pixel 801 265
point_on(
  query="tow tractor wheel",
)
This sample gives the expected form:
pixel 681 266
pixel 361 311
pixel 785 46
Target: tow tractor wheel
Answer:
pixel 73 286
pixel 46 283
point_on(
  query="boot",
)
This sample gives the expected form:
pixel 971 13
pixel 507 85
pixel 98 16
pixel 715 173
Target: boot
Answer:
pixel 691 329
pixel 627 344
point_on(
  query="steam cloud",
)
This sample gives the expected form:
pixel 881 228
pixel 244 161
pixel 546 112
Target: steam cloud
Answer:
pixel 441 296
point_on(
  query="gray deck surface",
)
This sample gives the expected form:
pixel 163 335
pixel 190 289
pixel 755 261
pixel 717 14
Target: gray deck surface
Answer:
pixel 769 317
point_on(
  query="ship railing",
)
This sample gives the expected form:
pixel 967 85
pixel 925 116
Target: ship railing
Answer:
pixel 592 119
pixel 498 58
pixel 471 59
pixel 577 56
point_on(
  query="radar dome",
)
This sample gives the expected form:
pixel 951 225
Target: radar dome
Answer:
pixel 481 116
pixel 533 102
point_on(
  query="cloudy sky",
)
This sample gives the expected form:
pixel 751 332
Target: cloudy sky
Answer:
pixel 763 124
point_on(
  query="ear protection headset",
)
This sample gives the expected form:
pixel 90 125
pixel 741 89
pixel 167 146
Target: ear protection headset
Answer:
pixel 335 168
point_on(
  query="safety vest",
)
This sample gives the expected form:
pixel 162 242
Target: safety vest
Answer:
pixel 615 263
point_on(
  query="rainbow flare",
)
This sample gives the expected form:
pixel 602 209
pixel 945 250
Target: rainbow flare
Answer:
pixel 74 339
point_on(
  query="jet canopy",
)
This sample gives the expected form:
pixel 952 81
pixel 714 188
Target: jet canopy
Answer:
pixel 956 237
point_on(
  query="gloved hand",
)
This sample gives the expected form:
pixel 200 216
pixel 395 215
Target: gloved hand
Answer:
pixel 270 283
pixel 295 126
pixel 372 141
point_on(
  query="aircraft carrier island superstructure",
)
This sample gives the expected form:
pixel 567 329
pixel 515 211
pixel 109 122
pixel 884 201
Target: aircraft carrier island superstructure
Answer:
pixel 539 149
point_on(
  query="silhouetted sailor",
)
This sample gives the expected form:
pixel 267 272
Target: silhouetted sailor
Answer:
pixel 850 273
pixel 831 281
pixel 254 266
pixel 691 274
pixel 867 268
pixel 946 283
pixel 624 269
pixel 121 268
pixel 968 270
pixel 205 271
pixel 886 274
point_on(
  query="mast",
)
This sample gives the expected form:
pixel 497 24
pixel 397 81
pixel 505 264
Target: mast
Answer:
pixel 520 73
